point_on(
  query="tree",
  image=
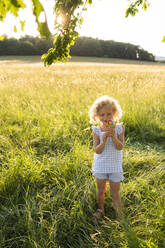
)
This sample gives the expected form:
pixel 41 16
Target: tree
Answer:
pixel 71 12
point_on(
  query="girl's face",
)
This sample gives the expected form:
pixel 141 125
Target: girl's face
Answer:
pixel 106 113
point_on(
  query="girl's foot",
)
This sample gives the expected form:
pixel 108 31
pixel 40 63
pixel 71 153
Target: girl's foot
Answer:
pixel 99 213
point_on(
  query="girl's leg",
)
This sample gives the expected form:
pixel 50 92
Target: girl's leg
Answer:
pixel 101 188
pixel 116 198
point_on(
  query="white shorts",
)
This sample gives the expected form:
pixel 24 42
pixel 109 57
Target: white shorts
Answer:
pixel 114 177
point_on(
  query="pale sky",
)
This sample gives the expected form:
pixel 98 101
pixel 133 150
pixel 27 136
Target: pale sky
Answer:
pixel 105 19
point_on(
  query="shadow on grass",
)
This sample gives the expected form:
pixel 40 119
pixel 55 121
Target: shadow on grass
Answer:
pixel 20 59
pixel 110 60
pixel 77 59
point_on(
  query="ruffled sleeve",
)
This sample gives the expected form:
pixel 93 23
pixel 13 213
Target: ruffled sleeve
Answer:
pixel 119 129
pixel 95 130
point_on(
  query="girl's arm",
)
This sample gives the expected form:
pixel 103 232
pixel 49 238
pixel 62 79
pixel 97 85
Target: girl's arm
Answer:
pixel 119 141
pixel 99 147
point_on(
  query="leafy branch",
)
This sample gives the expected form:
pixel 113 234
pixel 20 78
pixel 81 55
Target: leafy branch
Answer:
pixel 134 6
pixel 66 33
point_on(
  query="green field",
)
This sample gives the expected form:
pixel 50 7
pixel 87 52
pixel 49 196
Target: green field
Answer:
pixel 47 192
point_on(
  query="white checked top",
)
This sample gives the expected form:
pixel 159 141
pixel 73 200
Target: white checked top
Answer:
pixel 110 160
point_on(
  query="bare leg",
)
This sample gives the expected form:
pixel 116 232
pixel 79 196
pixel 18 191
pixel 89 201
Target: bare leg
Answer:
pixel 116 198
pixel 101 188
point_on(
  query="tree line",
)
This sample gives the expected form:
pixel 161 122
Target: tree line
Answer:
pixel 84 46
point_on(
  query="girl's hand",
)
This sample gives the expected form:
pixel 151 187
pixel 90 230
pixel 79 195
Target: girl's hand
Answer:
pixel 112 132
pixel 107 134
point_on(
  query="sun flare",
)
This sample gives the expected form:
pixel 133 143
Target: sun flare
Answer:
pixel 59 19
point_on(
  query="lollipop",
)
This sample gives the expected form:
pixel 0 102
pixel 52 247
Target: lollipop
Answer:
pixel 111 123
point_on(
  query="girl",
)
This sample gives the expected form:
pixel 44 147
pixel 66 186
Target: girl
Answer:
pixel 108 143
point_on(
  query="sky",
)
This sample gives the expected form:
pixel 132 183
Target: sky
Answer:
pixel 105 19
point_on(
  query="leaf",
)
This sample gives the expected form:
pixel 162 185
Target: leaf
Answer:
pixel 163 40
pixel 43 29
pixel 22 25
pixel 131 10
pixel 37 8
pixel 17 3
pixel 89 2
pixel 144 6
pixel 2 37
pixel 12 6
pixel 81 20
pixel 42 26
pixel 1 18
pixel 15 29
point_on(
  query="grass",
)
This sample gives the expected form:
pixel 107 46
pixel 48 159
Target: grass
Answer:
pixel 47 192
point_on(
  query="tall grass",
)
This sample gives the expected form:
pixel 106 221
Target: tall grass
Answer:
pixel 47 192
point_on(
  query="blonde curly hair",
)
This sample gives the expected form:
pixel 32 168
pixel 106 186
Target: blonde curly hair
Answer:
pixel 100 103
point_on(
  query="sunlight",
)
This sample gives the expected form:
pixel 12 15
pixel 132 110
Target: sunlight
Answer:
pixel 59 19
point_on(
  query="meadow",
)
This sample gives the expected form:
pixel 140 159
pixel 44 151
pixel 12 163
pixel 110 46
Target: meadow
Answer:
pixel 47 192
